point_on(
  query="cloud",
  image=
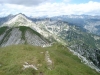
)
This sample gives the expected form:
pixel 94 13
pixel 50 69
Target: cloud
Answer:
pixel 25 2
pixel 52 9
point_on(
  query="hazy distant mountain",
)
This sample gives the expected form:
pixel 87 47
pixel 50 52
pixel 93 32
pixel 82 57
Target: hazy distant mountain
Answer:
pixel 5 19
pixel 87 22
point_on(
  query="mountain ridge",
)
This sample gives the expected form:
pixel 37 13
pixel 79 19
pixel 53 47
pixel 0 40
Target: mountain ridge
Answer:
pixel 21 35
pixel 83 43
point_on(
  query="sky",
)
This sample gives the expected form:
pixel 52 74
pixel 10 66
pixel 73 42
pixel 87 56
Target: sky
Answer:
pixel 35 8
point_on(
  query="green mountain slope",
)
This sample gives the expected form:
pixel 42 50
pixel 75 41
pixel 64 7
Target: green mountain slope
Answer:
pixel 54 60
pixel 86 44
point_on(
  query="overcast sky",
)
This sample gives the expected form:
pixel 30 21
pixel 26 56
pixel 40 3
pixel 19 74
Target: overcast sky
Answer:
pixel 49 7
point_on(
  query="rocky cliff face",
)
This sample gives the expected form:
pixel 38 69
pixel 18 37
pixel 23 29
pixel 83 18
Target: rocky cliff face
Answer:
pixel 21 35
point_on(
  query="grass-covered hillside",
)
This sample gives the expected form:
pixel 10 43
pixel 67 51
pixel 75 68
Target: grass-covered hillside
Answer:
pixel 33 60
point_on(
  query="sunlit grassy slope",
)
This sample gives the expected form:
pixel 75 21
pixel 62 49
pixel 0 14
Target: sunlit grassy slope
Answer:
pixel 12 59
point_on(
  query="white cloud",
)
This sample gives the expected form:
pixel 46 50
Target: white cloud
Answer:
pixel 24 2
pixel 52 9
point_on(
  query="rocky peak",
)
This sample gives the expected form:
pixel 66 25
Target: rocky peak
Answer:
pixel 19 20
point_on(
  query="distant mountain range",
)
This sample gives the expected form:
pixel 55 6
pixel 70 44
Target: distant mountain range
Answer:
pixel 80 33
pixel 86 22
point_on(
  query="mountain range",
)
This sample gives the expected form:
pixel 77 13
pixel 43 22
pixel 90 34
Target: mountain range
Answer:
pixel 86 22
pixel 79 33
